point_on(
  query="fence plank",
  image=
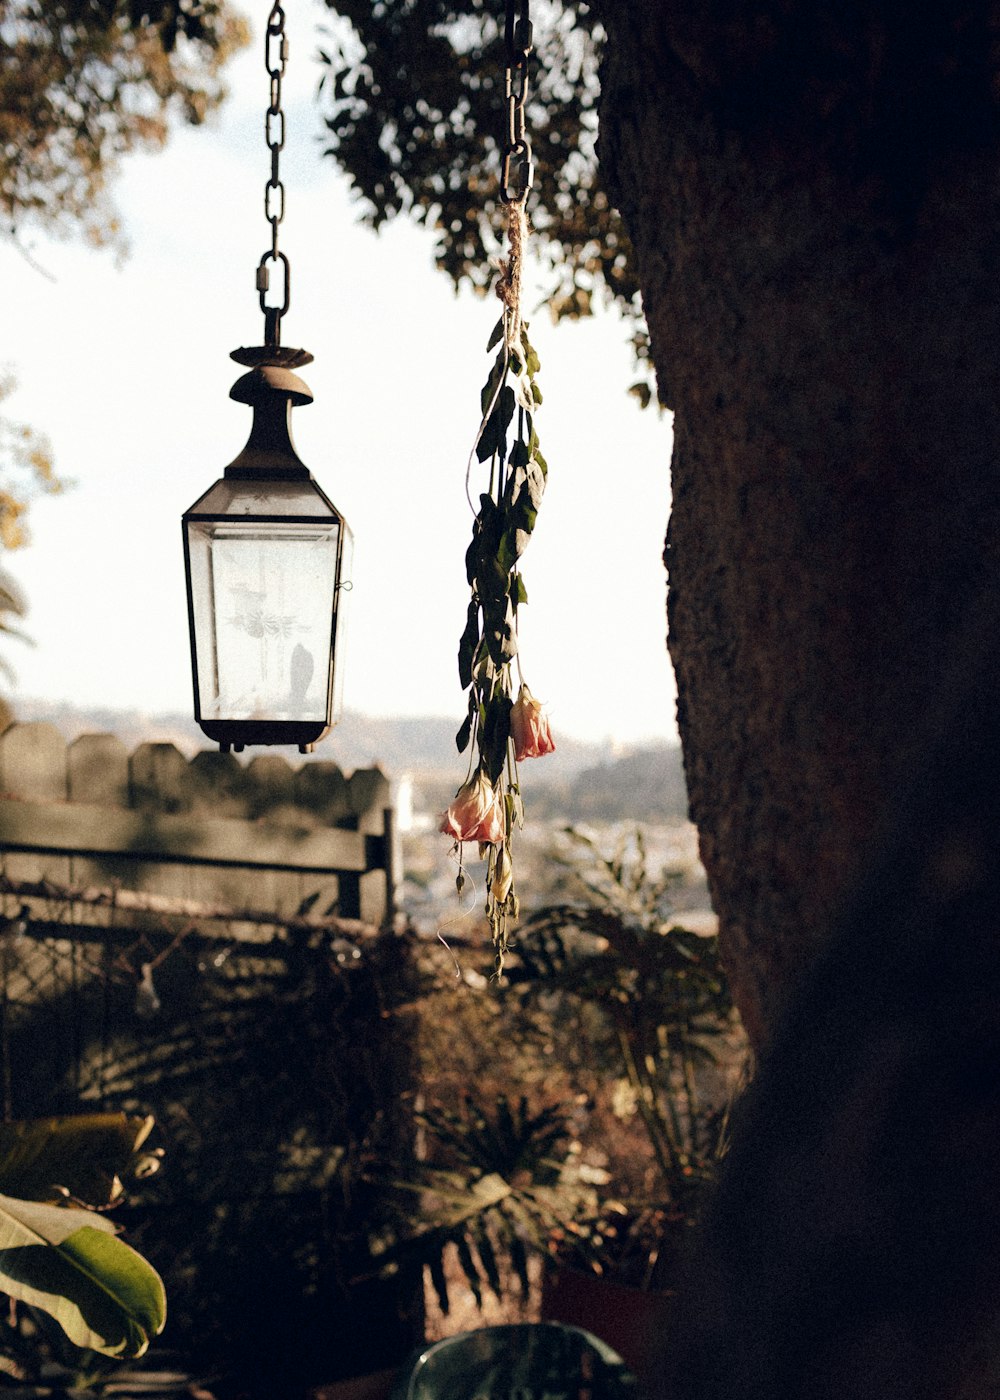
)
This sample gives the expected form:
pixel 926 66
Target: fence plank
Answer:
pixel 271 782
pixel 368 794
pixel 219 784
pixel 98 770
pixel 31 867
pixel 161 780
pixel 322 788
pixel 95 831
pixel 33 762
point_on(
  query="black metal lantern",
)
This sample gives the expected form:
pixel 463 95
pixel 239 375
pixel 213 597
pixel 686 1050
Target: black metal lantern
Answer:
pixel 265 551
pixel 265 555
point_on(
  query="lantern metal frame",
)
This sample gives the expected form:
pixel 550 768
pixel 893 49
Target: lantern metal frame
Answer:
pixel 272 389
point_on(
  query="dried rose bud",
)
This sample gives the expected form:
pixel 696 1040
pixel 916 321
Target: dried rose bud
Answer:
pixel 475 813
pixel 529 727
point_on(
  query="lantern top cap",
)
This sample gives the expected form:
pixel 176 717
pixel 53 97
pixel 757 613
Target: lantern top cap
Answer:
pixel 271 372
pixel 262 382
pixel 281 356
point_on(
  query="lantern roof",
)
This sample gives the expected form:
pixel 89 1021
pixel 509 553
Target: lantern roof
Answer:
pixel 260 498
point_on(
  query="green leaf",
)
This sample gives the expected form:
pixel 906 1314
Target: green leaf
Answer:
pixel 496 732
pixel 440 1281
pixel 519 1259
pixel 507 553
pixel 469 1268
pixel 486 531
pixel 488 1258
pixel 464 734
pixel 467 647
pixel 495 430
pixel 70 1263
pixel 524 392
pixel 496 377
pixel 531 357
pixel 518 592
pixel 83 1155
pixel 522 500
pixel 496 336
pixel 533 482
pixel 520 454
pixel 463 1199
pixel 499 632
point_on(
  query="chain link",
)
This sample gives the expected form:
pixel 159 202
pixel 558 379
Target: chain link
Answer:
pixel 275 61
pixel 517 169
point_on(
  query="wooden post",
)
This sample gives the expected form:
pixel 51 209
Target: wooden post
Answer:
pixel 393 862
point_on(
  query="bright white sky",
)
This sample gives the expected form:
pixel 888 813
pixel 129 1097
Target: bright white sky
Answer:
pixel 127 371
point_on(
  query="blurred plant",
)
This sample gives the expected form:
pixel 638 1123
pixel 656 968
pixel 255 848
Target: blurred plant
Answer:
pixel 12 605
pixel 26 471
pixel 59 1253
pixel 652 1000
pixel 505 1181
pixel 82 85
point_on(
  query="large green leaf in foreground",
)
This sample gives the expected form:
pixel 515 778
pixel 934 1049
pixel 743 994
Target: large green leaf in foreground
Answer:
pixel 83 1155
pixel 71 1264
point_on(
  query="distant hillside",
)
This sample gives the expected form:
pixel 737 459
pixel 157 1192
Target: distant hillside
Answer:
pixel 578 782
pixel 648 781
pixel 359 741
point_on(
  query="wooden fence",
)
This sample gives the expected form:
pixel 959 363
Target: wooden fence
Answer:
pixel 212 943
pixel 267 836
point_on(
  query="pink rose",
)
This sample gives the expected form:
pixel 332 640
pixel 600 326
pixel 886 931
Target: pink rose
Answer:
pixel 475 813
pixel 529 728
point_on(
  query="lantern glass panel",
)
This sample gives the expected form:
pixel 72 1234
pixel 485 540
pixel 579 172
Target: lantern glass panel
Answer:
pixel 263 597
pixel 344 592
pixel 270 497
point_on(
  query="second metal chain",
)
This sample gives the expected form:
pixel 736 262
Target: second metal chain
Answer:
pixel 275 60
pixel 517 170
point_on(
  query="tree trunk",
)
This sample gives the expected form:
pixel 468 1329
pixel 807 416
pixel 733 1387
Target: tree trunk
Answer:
pixel 813 195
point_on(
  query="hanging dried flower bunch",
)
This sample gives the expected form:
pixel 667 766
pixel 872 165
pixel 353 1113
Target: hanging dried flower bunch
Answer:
pixel 499 729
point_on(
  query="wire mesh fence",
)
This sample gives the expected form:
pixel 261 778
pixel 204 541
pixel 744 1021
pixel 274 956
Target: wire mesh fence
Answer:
pixel 276 1057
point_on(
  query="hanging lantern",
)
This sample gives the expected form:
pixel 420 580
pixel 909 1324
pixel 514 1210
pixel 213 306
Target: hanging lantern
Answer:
pixel 266 553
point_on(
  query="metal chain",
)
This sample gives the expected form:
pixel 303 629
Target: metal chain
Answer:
pixel 517 170
pixel 275 61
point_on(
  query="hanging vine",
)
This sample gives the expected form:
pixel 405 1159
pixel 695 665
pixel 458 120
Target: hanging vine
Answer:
pixel 500 730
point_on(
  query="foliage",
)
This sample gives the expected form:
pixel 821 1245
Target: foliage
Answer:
pixel 26 468
pixel 618 1022
pixel 657 1009
pixel 508 1184
pixel 416 110
pixel 83 82
pixel 66 1259
pixel 82 1157
pixel 12 605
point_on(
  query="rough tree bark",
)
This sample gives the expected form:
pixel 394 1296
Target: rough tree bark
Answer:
pixel 814 198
